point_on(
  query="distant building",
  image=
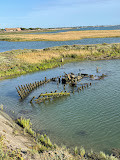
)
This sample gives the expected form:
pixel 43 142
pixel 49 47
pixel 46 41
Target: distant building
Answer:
pixel 12 29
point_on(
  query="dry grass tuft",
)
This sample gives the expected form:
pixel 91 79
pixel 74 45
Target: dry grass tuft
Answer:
pixel 41 56
pixel 37 57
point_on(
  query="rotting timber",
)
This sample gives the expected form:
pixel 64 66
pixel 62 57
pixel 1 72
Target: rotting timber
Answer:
pixel 48 96
pixel 25 90
pixel 71 79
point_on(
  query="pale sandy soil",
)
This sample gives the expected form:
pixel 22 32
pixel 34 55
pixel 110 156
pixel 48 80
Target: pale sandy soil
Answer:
pixel 17 140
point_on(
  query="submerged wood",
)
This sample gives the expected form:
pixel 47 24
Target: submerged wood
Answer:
pixel 71 79
pixel 25 90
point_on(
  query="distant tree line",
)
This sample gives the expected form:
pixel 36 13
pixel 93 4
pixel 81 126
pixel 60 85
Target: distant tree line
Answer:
pixel 30 28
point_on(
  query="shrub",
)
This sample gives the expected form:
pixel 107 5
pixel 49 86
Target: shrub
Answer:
pixel 73 55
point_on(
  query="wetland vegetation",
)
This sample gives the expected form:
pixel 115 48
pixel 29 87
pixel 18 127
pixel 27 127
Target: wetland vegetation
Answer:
pixel 63 36
pixel 18 62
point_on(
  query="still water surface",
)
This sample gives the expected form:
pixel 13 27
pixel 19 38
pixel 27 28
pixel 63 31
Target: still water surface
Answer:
pixel 90 118
pixel 6 46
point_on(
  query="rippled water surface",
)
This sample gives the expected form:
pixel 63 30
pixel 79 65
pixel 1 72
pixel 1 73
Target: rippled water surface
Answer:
pixel 90 118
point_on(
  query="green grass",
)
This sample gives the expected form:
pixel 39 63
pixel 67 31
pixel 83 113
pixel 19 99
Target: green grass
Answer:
pixel 82 152
pixel 26 124
pixel 76 151
pixel 18 62
pixel 43 142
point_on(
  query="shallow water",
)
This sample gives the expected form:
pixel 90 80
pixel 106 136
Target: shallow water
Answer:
pixel 90 118
pixel 6 46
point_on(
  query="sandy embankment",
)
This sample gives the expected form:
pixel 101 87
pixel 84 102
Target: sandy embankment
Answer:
pixel 14 138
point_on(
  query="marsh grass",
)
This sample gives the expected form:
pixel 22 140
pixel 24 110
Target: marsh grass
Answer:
pixel 62 36
pixel 76 151
pixel 26 124
pixel 44 139
pixel 18 62
pixel 104 156
pixel 43 142
pixel 100 156
pixel 82 152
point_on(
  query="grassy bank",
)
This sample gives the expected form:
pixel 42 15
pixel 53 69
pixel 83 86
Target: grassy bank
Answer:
pixel 63 36
pixel 18 62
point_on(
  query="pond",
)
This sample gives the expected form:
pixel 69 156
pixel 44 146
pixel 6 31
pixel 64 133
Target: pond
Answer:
pixel 90 118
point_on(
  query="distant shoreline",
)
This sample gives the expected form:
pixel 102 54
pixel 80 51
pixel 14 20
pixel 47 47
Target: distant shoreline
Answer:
pixel 62 36
pixel 58 28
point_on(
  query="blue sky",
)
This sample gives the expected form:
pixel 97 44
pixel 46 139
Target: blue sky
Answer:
pixel 58 13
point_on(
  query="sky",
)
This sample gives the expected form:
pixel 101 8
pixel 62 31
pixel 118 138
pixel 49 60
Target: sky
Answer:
pixel 58 13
